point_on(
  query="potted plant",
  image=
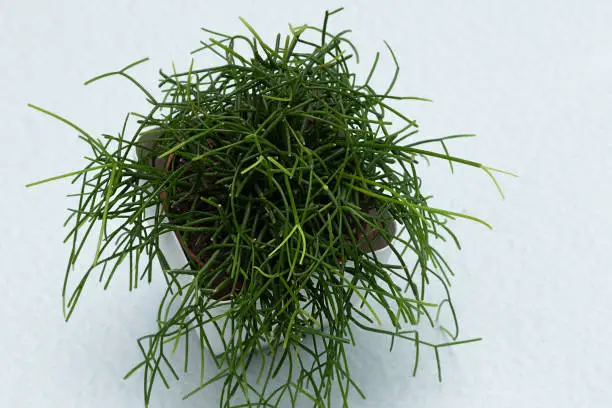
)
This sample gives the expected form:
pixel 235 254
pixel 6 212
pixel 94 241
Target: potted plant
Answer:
pixel 272 192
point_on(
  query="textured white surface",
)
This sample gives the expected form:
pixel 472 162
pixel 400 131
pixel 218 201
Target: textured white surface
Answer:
pixel 532 78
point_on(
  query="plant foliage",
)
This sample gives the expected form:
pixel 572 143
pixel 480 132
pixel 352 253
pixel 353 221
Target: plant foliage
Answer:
pixel 279 171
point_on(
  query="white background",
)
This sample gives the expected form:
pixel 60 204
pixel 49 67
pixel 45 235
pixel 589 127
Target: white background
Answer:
pixel 532 78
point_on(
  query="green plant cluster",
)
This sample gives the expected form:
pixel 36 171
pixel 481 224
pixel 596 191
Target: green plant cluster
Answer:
pixel 279 172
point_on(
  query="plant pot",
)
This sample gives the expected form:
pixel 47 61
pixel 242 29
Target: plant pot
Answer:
pixel 178 254
pixel 175 255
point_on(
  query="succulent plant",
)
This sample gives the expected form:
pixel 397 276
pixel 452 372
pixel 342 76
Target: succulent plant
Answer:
pixel 280 174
